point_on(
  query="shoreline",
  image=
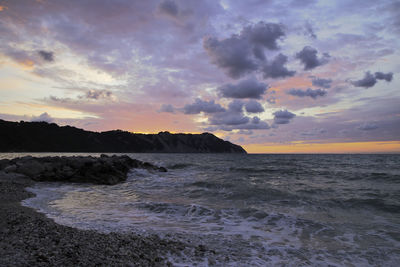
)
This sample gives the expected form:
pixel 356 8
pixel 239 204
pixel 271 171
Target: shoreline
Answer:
pixel 29 238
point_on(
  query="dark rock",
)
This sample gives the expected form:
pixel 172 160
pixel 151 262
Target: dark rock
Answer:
pixel 29 167
pixel 10 168
pixel 102 170
pixel 4 163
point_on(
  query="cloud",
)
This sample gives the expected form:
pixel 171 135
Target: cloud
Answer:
pixel 249 88
pixel 228 118
pixel 46 55
pixel 264 34
pixel 233 55
pixel 228 121
pixel 369 80
pixel 283 116
pixel 313 93
pixel 167 108
pixel 384 76
pixel 234 119
pixel 202 106
pixel 367 126
pixel 324 83
pixel 236 106
pixel 308 56
pixel 241 53
pixel 98 94
pixel 169 7
pixel 309 31
pixel 253 106
pixel 276 68
pixel 43 117
pixel 254 124
pixel 313 132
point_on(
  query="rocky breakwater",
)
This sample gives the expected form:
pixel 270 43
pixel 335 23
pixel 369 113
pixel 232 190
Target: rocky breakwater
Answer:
pixel 103 170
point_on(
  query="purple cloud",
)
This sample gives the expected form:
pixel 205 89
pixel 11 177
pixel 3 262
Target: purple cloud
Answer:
pixel 249 88
pixel 313 93
pixel 384 76
pixel 202 106
pixel 277 69
pixel 324 83
pixel 169 7
pixel 368 81
pixel 46 55
pixel 309 58
pixel 283 116
pixel 240 54
pixel 253 106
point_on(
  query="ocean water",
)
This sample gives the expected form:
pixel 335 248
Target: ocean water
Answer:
pixel 252 210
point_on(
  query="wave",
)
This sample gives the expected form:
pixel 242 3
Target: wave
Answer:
pixel 180 166
pixel 375 203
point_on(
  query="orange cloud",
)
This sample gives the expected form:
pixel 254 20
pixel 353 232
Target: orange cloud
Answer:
pixel 352 147
pixel 2 8
pixel 27 63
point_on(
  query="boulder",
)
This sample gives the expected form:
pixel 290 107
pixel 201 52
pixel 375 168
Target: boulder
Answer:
pixel 102 170
pixel 30 168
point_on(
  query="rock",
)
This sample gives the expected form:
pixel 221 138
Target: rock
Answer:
pixel 102 170
pixel 30 168
pixel 4 163
pixel 162 169
pixel 10 168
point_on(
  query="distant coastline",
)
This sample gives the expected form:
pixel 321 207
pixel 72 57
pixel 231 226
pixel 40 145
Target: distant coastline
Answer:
pixel 49 137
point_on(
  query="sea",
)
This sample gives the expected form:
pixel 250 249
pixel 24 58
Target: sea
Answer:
pixel 251 210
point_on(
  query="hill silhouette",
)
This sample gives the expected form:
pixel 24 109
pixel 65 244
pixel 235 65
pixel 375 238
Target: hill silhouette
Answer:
pixel 49 137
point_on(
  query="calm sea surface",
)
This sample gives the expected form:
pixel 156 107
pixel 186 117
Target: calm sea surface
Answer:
pixel 253 210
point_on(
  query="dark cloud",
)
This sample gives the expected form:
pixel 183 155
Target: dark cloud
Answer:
pixel 241 53
pixel 168 7
pixel 253 106
pixel 308 56
pixel 264 34
pixel 167 108
pixel 277 69
pixel 228 121
pixel 367 126
pixel 43 117
pixel 368 81
pixel 236 106
pixel 46 55
pixel 229 118
pixel 202 106
pixel 324 83
pixel 234 55
pixel 98 94
pixel 384 76
pixel 283 116
pixel 249 88
pixel 234 119
pixel 313 93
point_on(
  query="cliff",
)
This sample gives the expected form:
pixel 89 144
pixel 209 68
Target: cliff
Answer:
pixel 49 137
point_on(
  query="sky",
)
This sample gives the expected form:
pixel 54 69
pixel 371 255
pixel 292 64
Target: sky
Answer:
pixel 273 76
